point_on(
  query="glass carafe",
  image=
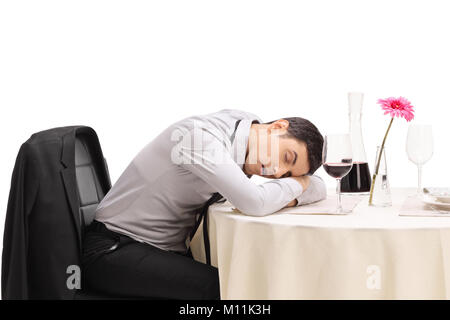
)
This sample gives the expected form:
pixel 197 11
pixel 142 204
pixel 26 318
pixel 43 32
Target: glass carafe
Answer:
pixel 359 179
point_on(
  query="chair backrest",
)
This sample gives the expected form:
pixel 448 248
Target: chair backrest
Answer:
pixel 92 185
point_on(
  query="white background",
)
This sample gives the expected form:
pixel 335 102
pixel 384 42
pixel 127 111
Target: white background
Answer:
pixel 130 68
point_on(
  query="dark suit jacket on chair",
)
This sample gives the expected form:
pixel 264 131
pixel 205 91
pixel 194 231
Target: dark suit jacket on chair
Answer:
pixel 44 219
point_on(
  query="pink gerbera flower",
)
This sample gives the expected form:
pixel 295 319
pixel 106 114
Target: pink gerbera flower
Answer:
pixel 397 107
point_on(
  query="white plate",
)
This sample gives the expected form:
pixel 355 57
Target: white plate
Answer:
pixel 431 200
pixel 441 195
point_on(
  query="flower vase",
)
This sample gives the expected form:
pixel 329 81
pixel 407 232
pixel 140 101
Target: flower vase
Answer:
pixel 381 191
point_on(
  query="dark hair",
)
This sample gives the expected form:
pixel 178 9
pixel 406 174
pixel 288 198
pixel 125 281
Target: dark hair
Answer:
pixel 305 131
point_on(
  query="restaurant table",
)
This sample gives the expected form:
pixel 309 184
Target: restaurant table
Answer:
pixel 371 253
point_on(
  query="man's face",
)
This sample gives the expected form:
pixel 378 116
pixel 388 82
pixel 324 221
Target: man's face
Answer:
pixel 273 153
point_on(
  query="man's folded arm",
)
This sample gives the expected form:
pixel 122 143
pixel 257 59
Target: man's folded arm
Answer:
pixel 214 165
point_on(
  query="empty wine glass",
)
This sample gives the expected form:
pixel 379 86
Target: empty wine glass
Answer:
pixel 337 160
pixel 419 147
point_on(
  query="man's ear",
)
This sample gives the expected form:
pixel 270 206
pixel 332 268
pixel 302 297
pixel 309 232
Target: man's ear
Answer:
pixel 280 126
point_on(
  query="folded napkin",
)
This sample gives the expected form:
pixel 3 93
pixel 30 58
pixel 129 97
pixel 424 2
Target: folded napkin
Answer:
pixel 326 206
pixel 413 206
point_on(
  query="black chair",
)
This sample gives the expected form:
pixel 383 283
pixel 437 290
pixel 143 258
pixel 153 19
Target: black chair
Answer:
pixel 93 182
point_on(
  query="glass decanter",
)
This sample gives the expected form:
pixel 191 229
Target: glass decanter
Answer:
pixel 358 180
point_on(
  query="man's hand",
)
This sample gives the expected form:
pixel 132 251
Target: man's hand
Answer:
pixel 304 181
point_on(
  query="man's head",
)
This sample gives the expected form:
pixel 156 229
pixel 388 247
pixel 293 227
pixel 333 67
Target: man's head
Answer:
pixel 282 148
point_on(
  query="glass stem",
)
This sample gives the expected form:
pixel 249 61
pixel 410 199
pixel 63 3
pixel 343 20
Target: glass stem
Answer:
pixel 419 179
pixel 338 192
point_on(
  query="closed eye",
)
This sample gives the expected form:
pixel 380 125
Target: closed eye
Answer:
pixel 293 158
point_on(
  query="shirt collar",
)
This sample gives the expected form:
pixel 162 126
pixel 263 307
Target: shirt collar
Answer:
pixel 239 145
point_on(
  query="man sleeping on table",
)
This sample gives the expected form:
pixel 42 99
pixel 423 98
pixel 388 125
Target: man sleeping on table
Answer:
pixel 138 244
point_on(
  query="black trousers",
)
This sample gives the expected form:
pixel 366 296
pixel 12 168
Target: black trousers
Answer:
pixel 115 264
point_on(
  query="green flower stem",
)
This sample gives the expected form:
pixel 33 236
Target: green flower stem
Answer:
pixel 378 162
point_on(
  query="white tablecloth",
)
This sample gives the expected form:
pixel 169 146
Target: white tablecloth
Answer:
pixel 372 253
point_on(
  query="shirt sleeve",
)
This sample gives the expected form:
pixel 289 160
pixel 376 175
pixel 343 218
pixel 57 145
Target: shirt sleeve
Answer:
pixel 316 191
pixel 213 163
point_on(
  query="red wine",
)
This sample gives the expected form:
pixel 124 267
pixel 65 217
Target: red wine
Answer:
pixel 358 179
pixel 337 170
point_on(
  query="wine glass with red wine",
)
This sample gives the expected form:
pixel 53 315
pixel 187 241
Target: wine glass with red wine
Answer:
pixel 337 160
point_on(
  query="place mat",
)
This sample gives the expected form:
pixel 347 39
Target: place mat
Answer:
pixel 326 206
pixel 414 207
